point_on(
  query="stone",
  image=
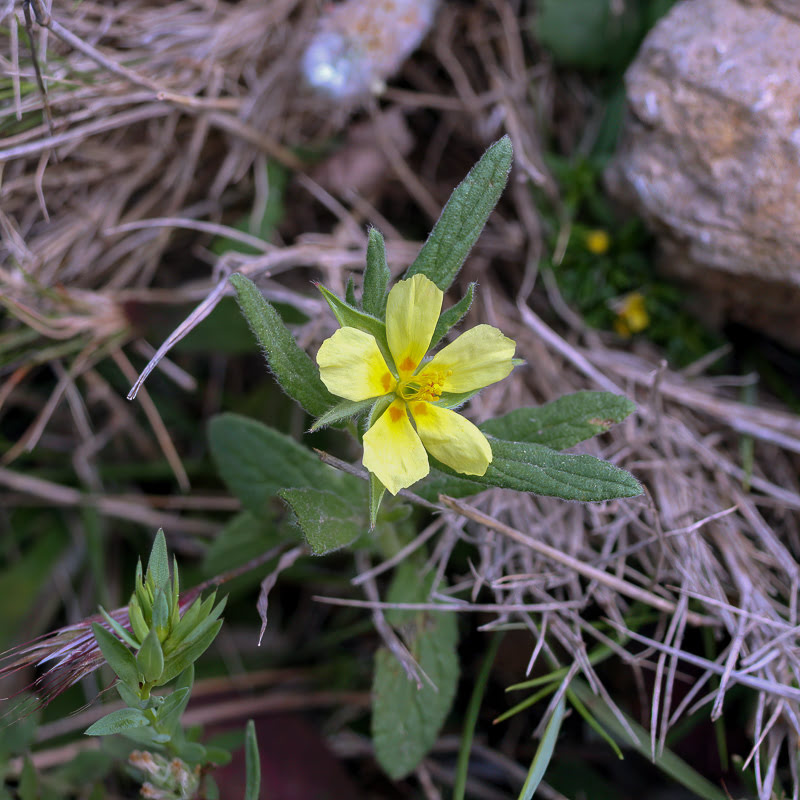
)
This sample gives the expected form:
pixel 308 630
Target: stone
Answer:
pixel 710 156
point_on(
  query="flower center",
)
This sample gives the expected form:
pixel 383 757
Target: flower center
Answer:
pixel 427 387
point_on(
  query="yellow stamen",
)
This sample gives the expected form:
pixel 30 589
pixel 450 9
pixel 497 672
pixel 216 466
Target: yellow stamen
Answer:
pixel 427 387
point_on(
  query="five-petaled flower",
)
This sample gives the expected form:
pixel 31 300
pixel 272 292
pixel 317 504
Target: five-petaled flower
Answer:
pixel 353 367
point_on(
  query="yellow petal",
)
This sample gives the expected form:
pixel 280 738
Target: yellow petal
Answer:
pixel 351 366
pixel 412 311
pixel 393 451
pixel 455 441
pixel 480 356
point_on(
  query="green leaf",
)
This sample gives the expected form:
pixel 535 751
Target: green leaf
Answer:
pixel 376 276
pixel 158 564
pixel 130 696
pixel 160 610
pixel 350 292
pixel 666 761
pixel 119 658
pixel 84 768
pixel 293 368
pixel 255 461
pixel 535 468
pixel 243 537
pixel 453 485
pixel 349 317
pixel 138 625
pixel 590 34
pixel 118 629
pixel 328 521
pixel 117 722
pixel 186 655
pixel 150 658
pixel 452 316
pixel 191 629
pixel 252 789
pixel 544 752
pixel 28 788
pixel 564 422
pixel 343 410
pixel 405 719
pixel 174 705
pixel 471 717
pixel 376 492
pixel 464 216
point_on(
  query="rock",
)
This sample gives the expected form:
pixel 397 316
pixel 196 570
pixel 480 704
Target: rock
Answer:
pixel 710 156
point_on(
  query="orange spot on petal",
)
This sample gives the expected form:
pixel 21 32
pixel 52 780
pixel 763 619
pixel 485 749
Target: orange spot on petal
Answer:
pixel 408 364
pixel 420 409
pixel 395 413
pixel 386 381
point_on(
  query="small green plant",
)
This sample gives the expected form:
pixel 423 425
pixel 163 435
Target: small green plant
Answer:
pixel 374 380
pixel 158 647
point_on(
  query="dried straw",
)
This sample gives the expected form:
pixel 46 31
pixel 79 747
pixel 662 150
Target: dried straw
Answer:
pixel 163 117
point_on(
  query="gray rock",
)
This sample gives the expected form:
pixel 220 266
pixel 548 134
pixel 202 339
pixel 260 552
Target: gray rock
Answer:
pixel 710 155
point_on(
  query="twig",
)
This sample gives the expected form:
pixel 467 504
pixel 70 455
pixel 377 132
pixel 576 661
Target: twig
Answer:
pixel 611 581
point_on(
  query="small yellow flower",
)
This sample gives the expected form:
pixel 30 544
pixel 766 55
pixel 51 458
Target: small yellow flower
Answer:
pixel 352 366
pixel 597 241
pixel 632 316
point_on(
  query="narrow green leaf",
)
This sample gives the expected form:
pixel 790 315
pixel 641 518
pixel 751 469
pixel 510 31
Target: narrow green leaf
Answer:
pixel 471 719
pixel 118 629
pixel 252 789
pixel 138 625
pixel 406 719
pixel 667 761
pixel 150 658
pixel 28 788
pixel 328 521
pixel 455 399
pixel 343 410
pixel 174 705
pixel 593 723
pixel 350 292
pixel 376 276
pixel 349 317
pixel 544 752
pixel 119 658
pixel 158 564
pixel 464 216
pixel 293 368
pixel 174 600
pixel 117 722
pixel 529 701
pixel 452 316
pixel 160 610
pixel 255 461
pixel 188 654
pixel 130 696
pixel 564 422
pixel 538 469
pixel 376 492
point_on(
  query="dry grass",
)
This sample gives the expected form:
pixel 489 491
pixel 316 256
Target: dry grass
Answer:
pixel 163 118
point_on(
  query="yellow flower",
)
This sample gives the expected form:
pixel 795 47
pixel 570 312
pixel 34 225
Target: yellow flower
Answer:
pixel 597 241
pixel 632 316
pixel 353 367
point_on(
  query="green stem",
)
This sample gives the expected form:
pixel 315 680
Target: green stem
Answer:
pixel 471 718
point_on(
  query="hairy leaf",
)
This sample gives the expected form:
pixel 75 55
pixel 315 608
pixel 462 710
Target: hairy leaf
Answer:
pixel 328 521
pixel 376 276
pixel 293 368
pixel 464 216
pixel 564 422
pixel 406 719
